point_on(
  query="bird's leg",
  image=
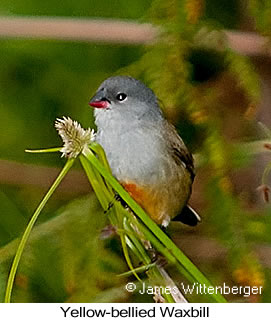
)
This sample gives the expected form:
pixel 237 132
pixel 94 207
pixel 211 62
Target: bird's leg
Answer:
pixel 161 261
pixel 116 198
pixel 108 231
pixel 109 207
pixel 154 255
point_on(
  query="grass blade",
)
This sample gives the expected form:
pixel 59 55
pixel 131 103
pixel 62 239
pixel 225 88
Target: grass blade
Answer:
pixel 29 227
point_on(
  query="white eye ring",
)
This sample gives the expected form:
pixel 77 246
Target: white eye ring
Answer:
pixel 121 97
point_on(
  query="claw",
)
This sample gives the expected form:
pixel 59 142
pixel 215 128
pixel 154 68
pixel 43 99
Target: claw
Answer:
pixel 108 232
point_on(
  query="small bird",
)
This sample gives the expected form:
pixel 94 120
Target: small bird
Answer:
pixel 144 151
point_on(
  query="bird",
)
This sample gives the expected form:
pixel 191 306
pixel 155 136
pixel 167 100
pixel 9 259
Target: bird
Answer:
pixel 144 150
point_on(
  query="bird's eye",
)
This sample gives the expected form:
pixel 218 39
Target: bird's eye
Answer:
pixel 121 96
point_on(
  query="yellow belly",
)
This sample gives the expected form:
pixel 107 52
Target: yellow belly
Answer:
pixel 160 203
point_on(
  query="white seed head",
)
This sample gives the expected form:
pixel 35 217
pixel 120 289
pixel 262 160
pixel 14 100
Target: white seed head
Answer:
pixel 74 137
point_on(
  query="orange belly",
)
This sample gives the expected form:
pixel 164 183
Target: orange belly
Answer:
pixel 149 200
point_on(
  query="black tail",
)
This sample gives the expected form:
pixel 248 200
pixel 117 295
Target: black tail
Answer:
pixel 188 216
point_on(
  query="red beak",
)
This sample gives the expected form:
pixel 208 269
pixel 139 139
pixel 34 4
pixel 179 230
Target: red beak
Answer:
pixel 99 104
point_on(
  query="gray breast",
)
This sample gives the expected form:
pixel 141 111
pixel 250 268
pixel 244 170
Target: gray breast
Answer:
pixel 135 154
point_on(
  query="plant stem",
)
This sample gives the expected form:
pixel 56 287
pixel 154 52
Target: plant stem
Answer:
pixel 38 151
pixel 29 227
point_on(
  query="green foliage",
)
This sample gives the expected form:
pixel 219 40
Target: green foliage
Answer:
pixel 261 10
pixel 65 260
pixel 190 68
pixel 226 12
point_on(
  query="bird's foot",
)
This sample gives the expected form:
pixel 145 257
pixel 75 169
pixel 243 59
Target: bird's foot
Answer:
pixel 108 231
pixel 116 198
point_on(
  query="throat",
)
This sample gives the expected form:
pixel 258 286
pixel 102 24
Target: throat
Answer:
pixel 109 122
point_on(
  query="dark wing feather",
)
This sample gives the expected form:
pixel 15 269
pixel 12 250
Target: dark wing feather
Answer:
pixel 179 152
pixel 183 157
pixel 188 216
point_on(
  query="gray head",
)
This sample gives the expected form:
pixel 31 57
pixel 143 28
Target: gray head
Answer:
pixel 124 99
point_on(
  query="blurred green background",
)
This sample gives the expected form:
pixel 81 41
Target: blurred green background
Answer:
pixel 210 93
